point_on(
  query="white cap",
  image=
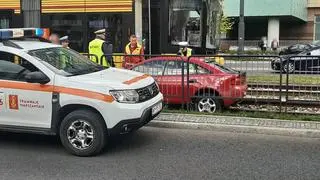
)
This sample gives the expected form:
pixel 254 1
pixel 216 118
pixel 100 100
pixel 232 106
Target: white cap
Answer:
pixel 184 43
pixel 64 38
pixel 101 31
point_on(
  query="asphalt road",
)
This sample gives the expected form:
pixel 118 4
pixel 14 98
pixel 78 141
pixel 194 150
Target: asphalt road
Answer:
pixel 155 153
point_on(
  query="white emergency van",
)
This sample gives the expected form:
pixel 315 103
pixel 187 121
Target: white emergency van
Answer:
pixel 45 88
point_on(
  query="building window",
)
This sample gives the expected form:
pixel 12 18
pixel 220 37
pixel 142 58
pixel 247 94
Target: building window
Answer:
pixel 4 22
pixel 112 23
pixel 5 18
pixel 317 28
pixel 67 24
pixel 184 21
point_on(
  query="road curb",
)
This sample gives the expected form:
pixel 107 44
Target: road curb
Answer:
pixel 279 129
pixel 237 129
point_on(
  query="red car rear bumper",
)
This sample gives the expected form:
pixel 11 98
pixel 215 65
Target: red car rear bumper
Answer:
pixel 235 95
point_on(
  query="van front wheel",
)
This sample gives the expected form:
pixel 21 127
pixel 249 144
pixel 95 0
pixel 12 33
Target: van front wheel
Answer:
pixel 83 133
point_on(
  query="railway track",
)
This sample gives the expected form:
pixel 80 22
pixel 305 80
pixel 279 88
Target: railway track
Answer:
pixel 284 87
pixel 297 95
pixel 300 99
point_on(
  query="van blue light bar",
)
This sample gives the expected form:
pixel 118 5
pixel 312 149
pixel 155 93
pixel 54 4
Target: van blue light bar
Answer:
pixel 6 34
pixel 39 32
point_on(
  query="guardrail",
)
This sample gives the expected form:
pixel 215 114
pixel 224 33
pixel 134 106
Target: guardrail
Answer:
pixel 205 82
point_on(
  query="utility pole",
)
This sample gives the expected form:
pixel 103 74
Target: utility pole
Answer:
pixel 149 13
pixel 31 10
pixel 203 28
pixel 241 31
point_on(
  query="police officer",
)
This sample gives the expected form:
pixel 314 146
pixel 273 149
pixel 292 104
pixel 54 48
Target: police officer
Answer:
pixel 99 47
pixel 64 59
pixel 184 49
pixel 65 42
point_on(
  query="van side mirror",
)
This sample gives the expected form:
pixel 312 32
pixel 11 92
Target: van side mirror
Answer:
pixel 36 77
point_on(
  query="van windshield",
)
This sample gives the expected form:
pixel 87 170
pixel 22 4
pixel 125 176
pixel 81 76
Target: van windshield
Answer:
pixel 66 62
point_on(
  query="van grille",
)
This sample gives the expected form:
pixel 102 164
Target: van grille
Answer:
pixel 148 92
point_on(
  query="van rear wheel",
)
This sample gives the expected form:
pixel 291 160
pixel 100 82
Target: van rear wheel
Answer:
pixel 83 133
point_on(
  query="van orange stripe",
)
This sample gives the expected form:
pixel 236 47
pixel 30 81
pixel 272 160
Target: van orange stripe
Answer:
pixel 136 79
pixel 26 86
pixel 58 89
pixel 84 93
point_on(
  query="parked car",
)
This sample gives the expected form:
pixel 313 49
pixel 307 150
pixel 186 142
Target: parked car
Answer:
pixel 211 86
pixel 306 61
pixel 296 49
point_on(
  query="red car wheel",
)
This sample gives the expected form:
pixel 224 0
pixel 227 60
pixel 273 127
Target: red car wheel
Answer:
pixel 209 104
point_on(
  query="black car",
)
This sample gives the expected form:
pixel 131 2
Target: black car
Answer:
pixel 306 61
pixel 296 49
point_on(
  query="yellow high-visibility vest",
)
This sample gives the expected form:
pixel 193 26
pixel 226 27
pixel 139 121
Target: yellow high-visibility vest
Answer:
pixel 95 48
pixel 189 52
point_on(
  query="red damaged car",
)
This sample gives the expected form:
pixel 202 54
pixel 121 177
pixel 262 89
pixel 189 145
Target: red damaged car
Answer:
pixel 211 86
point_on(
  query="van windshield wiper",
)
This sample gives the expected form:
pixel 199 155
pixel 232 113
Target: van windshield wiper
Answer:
pixel 87 71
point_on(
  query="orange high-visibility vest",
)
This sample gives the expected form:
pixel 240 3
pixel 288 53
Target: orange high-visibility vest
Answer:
pixel 130 60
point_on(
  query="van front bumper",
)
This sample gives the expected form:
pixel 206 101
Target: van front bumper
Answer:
pixel 129 125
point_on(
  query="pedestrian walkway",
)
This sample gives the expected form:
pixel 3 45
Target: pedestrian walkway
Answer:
pixel 238 124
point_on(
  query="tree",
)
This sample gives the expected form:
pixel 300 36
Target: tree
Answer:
pixel 226 24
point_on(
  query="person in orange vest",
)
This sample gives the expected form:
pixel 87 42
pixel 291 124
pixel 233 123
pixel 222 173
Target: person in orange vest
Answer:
pixel 133 48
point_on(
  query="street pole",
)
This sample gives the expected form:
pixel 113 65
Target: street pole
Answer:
pixel 203 28
pixel 31 10
pixel 241 31
pixel 149 12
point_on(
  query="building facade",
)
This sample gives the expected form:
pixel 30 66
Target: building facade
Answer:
pixel 172 21
pixel 77 19
pixel 288 21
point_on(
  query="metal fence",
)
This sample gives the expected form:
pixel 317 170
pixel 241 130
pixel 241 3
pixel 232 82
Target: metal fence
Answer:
pixel 211 83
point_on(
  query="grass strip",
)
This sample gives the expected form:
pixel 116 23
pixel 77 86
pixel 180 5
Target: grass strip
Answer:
pixel 264 115
pixel 296 79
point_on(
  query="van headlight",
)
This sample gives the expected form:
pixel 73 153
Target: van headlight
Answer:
pixel 125 96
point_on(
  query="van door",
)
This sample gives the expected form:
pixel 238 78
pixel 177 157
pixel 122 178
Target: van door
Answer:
pixel 23 104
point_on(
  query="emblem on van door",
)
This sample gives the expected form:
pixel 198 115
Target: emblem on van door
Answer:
pixel 13 102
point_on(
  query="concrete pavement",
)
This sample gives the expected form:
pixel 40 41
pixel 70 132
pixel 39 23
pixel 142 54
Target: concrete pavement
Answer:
pixel 251 67
pixel 161 153
pixel 238 124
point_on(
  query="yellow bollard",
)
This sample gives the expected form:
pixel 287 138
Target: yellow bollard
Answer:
pixel 219 60
pixel 118 59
